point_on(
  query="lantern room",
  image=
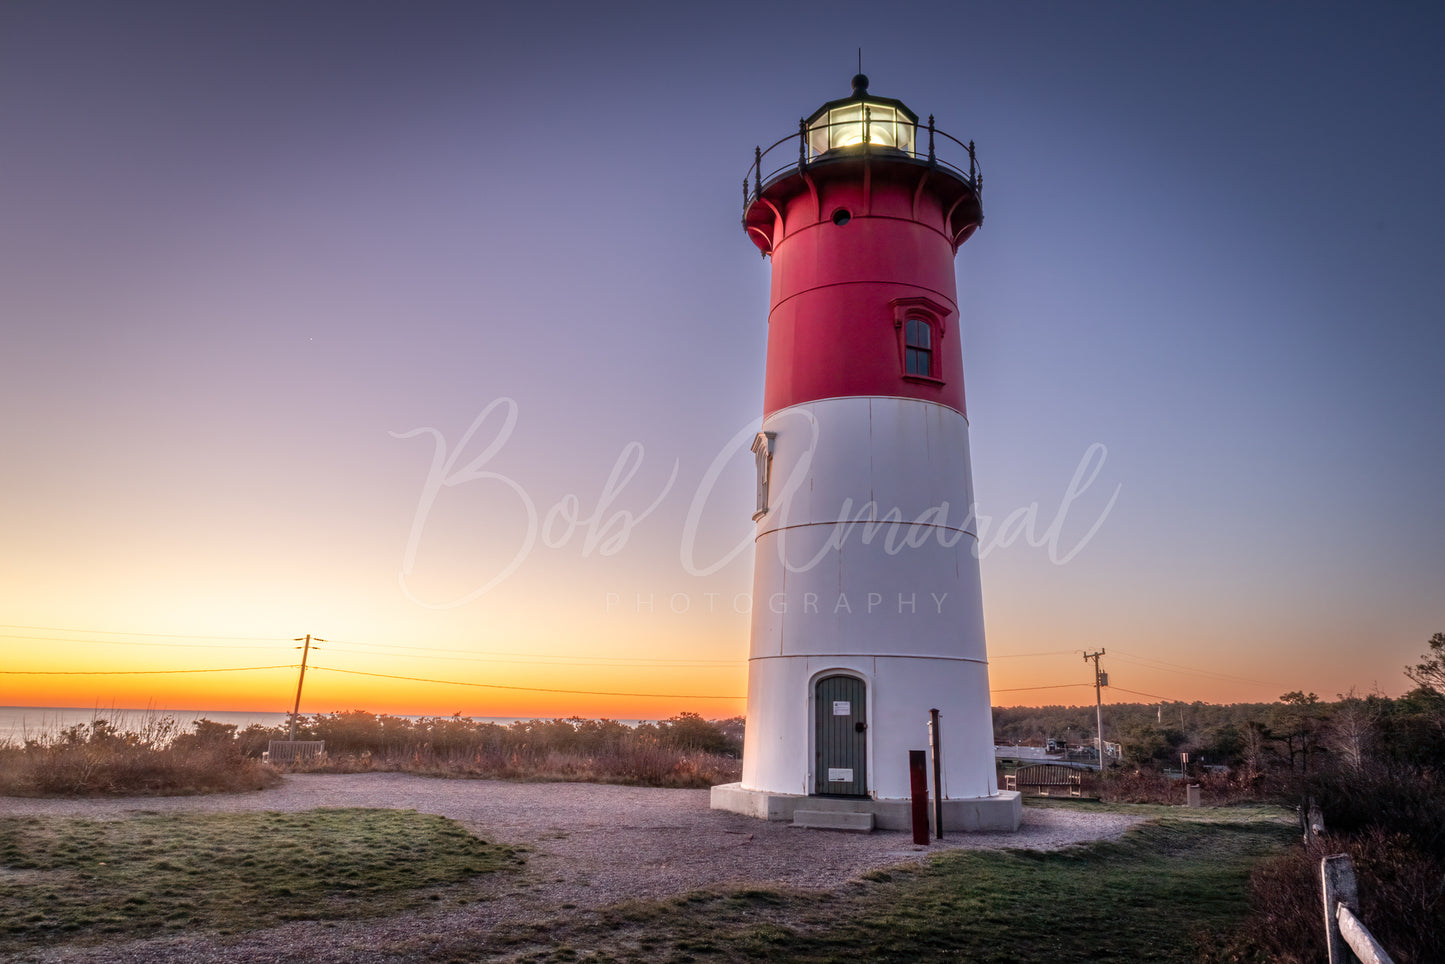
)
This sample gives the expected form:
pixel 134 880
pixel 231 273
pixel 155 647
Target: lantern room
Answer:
pixel 861 119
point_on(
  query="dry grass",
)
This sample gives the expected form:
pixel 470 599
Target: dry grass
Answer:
pixel 633 766
pixel 1151 786
pixel 149 756
pixel 100 759
pixel 685 752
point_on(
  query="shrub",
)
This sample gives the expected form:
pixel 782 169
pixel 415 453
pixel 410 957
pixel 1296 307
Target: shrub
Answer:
pixel 684 751
pixel 1401 891
pixel 1388 818
pixel 99 759
pixel 1151 786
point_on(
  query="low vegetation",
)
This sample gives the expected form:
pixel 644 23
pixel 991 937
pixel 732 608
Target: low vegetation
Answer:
pixel 1390 819
pixel 97 758
pixel 152 757
pixel 72 881
pixel 685 751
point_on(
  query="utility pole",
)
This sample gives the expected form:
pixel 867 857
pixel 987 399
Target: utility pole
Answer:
pixel 1100 681
pixel 305 652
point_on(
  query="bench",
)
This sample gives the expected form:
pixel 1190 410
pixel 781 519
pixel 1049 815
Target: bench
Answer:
pixel 1046 779
pixel 295 751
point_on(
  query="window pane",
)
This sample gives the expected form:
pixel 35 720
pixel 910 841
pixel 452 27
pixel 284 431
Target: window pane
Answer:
pixel 919 362
pixel 882 126
pixel 847 126
pixel 818 137
pixel 919 333
pixel 905 135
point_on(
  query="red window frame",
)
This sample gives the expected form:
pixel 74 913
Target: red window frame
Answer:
pixel 911 312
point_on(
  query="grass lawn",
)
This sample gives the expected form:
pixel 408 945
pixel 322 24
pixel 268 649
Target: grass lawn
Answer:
pixel 1151 896
pixel 89 881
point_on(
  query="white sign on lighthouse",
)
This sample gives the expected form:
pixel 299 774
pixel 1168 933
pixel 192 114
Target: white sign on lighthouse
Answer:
pixel 867 610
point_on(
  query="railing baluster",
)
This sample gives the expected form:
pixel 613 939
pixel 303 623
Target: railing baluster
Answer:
pixel 932 158
pixel 758 171
pixel 802 143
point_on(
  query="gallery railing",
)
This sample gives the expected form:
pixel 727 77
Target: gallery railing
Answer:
pixel 769 163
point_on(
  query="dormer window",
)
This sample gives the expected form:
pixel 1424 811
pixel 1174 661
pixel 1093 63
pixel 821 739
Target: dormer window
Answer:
pixel 920 323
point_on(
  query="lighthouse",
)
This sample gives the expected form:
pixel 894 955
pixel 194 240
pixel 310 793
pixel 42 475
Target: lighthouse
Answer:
pixel 867 636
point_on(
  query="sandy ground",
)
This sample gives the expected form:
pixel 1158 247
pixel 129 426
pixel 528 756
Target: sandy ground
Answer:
pixel 588 845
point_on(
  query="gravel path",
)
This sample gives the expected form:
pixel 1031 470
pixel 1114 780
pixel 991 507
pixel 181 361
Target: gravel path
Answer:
pixel 588 845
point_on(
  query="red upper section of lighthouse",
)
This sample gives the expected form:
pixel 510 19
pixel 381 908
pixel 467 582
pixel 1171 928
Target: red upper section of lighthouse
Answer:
pixel 862 235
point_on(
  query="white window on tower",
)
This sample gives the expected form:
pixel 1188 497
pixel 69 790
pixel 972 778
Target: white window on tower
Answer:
pixel 763 452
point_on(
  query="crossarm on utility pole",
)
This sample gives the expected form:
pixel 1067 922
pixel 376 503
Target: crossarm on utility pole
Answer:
pixel 305 653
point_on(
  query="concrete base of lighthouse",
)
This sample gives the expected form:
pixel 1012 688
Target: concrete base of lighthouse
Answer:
pixel 1001 813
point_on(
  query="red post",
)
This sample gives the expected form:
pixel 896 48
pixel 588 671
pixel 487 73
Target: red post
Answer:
pixel 918 784
pixel 935 738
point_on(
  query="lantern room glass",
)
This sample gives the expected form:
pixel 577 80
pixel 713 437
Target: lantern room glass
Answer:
pixel 843 127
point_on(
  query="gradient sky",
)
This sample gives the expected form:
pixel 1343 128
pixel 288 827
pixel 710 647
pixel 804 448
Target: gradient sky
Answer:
pixel 248 250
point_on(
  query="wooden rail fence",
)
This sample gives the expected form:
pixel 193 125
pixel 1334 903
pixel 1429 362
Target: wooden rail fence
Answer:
pixel 1348 938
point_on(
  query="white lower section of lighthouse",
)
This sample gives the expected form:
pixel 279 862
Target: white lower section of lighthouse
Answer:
pixel 867 614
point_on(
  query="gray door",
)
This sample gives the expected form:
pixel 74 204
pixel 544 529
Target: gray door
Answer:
pixel 840 759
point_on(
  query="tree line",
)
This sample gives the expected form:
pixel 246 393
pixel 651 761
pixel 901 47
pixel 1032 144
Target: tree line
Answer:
pixel 1298 733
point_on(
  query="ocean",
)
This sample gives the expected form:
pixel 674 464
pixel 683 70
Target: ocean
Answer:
pixel 19 723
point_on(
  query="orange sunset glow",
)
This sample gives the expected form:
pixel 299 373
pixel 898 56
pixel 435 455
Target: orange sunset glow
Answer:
pixel 407 337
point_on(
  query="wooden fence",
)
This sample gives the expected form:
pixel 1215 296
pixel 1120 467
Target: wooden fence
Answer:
pixel 1348 938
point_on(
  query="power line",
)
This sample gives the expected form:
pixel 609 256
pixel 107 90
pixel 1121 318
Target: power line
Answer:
pixel 573 657
pixel 527 689
pixel 1153 696
pixel 556 660
pixel 109 632
pixel 536 658
pixel 1157 663
pixel 1023 689
pixel 127 642
pixel 135 672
